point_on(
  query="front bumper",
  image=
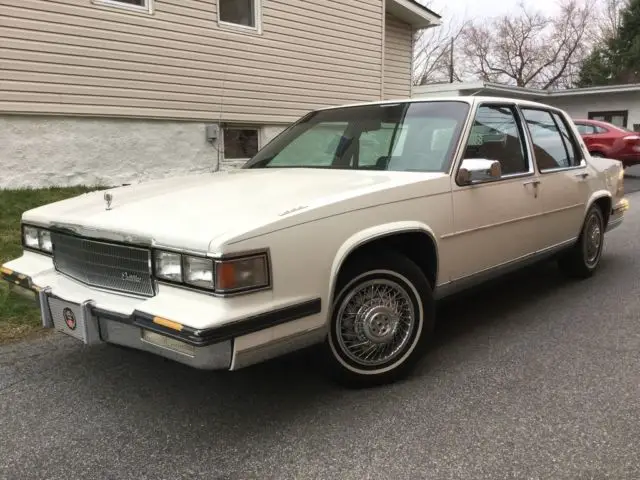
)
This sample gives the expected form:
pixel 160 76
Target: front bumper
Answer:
pixel 189 327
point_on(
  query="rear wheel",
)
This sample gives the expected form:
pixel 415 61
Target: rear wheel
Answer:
pixel 584 257
pixel 383 316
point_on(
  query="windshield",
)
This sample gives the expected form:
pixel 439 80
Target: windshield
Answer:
pixel 408 136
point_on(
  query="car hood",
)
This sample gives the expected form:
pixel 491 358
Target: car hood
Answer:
pixel 193 211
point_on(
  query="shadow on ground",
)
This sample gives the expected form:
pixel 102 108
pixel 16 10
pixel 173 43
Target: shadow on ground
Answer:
pixel 300 374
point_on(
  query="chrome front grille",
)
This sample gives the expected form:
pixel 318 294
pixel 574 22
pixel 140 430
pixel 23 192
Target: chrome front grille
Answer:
pixel 101 264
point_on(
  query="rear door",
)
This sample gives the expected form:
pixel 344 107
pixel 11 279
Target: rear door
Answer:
pixel 563 173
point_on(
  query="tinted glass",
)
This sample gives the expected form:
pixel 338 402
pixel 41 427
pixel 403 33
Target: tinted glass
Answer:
pixel 495 135
pixel 585 129
pixel 549 147
pixel 568 139
pixel 241 12
pixel 407 136
pixel 240 143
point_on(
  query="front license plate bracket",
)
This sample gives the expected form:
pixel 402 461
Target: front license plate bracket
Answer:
pixel 73 319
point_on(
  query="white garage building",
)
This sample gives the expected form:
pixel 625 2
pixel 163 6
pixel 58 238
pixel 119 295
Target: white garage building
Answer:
pixel 617 104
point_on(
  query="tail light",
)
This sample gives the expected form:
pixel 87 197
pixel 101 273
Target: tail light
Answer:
pixel 633 141
pixel 620 189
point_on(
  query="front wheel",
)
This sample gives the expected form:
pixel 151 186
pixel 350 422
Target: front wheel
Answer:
pixel 383 316
pixel 584 257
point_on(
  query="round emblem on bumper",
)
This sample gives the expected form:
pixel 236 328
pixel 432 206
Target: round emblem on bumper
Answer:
pixel 69 318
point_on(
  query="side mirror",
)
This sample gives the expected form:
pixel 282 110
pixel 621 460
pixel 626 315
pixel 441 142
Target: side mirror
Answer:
pixel 474 170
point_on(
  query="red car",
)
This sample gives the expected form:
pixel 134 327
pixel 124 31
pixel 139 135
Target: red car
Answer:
pixel 607 140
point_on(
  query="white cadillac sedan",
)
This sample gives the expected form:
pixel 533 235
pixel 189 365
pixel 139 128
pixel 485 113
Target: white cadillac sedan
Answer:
pixel 341 232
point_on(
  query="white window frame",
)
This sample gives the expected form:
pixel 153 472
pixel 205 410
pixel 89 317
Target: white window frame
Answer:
pixel 257 11
pixel 146 8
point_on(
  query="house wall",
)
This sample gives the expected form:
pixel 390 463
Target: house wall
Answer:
pixel 579 106
pixel 398 48
pixel 61 151
pixel 42 151
pixel 78 57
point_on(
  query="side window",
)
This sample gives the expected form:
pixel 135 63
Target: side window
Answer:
pixel 550 147
pixel 568 139
pixel 585 129
pixel 600 130
pixel 495 135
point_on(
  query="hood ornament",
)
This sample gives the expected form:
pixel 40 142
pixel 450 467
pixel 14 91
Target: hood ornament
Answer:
pixel 108 198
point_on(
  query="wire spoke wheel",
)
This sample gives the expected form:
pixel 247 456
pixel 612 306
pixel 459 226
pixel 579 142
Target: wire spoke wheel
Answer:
pixel 593 240
pixel 375 322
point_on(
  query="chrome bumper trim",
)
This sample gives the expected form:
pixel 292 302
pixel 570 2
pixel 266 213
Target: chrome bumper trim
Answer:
pixel 211 357
pixel 45 313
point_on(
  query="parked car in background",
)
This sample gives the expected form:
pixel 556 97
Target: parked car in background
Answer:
pixel 341 232
pixel 605 139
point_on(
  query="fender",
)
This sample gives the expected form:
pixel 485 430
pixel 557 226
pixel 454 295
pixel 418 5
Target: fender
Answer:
pixel 599 148
pixel 367 235
pixel 596 196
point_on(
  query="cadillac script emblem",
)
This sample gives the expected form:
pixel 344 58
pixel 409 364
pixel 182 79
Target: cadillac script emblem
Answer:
pixel 69 318
pixel 108 198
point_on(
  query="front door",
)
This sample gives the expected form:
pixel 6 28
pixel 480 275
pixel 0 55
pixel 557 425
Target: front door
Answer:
pixel 495 223
pixel 564 175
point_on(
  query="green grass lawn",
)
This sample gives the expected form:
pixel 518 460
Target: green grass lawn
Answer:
pixel 18 316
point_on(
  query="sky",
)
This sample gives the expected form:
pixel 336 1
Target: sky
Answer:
pixel 474 9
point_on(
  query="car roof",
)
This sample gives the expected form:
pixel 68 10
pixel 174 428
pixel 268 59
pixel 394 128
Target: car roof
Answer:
pixel 471 99
pixel 599 123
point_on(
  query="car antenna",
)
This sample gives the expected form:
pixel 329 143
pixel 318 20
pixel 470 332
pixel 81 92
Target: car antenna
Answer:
pixel 221 106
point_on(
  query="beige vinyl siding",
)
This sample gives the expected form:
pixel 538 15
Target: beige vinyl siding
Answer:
pixel 397 58
pixel 77 58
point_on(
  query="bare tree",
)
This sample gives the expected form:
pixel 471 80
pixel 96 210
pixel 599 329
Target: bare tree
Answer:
pixel 608 19
pixel 435 55
pixel 530 49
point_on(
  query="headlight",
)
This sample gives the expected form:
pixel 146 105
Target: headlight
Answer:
pixel 45 241
pixel 198 271
pixel 235 275
pixel 31 237
pixel 168 266
pixel 37 238
pixel 246 273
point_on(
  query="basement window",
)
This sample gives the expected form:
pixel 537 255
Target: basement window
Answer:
pixel 144 6
pixel 243 14
pixel 240 142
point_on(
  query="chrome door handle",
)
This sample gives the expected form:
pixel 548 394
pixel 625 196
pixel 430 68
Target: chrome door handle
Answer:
pixel 535 184
pixel 582 175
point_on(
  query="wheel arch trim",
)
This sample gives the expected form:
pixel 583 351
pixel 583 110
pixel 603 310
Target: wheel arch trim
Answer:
pixel 595 196
pixel 368 235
